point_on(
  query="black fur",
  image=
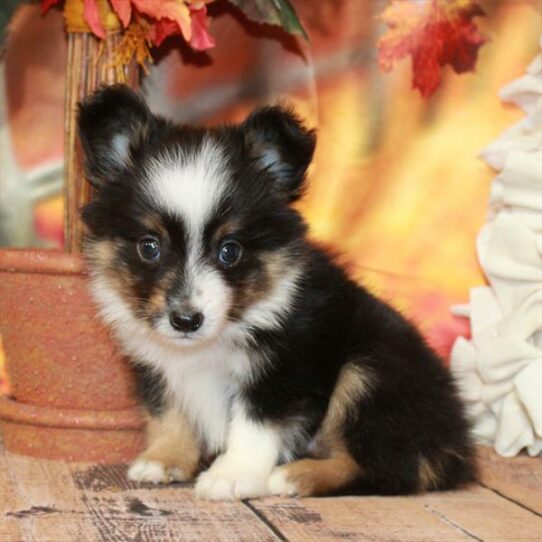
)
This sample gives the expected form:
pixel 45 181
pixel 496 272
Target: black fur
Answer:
pixel 151 388
pixel 412 410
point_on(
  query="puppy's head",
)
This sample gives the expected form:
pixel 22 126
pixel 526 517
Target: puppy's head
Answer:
pixel 191 231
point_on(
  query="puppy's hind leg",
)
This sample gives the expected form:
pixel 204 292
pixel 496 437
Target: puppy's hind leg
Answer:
pixel 172 453
pixel 308 477
pixel 336 469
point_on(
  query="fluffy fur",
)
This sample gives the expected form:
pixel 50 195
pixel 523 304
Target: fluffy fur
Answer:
pixel 294 380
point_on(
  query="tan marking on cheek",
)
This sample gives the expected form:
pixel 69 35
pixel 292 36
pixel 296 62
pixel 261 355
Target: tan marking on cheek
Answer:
pixel 100 254
pixel 259 284
pixel 122 284
pixel 172 442
pixel 254 288
pixel 276 264
pixel 102 257
pixel 157 302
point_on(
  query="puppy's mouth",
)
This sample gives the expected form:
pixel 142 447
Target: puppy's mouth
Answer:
pixel 178 337
pixel 182 337
pixel 185 340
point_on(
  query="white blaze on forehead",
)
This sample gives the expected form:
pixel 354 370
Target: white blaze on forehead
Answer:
pixel 189 185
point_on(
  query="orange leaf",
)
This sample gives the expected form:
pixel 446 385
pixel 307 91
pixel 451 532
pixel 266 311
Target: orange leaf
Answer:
pixel 123 9
pixel 434 33
pixel 92 17
pixel 175 10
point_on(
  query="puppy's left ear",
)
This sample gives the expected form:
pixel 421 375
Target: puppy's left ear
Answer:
pixel 282 146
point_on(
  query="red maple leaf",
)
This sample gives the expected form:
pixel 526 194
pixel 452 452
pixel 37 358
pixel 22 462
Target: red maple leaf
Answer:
pixel 167 9
pixel 434 33
pixel 200 39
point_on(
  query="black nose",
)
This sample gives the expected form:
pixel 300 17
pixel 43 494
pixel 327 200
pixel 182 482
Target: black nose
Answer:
pixel 186 322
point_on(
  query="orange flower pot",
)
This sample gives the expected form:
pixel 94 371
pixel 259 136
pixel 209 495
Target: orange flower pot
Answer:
pixel 72 392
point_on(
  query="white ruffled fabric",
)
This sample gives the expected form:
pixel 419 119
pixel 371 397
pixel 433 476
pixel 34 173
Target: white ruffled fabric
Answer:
pixel 499 370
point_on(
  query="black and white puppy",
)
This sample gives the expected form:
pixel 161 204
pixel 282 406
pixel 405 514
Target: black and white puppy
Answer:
pixel 252 348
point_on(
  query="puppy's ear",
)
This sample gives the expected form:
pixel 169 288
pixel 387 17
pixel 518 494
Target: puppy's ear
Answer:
pixel 111 122
pixel 282 146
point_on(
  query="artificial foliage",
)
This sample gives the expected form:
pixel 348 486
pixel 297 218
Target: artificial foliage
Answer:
pixel 147 23
pixel 159 19
pixel 433 33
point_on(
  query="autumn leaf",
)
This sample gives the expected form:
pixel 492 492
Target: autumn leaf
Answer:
pixel 92 17
pixel 161 29
pixel 162 18
pixel 123 9
pixel 174 10
pixel 201 39
pixel 275 12
pixel 434 33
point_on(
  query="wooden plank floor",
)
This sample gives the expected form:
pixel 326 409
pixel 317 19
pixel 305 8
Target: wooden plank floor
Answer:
pixel 59 502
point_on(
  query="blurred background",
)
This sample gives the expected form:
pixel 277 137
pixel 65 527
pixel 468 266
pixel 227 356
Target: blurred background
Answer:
pixel 396 186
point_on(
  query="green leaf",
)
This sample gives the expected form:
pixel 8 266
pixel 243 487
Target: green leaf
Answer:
pixel 275 12
pixel 7 9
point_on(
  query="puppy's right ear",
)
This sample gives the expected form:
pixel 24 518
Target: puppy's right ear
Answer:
pixel 111 122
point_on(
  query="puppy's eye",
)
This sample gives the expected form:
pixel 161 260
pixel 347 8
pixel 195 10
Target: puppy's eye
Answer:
pixel 148 249
pixel 230 253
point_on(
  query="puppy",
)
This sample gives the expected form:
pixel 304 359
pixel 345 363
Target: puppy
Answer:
pixel 252 348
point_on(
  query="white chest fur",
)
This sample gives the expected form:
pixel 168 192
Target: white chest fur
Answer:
pixel 200 381
pixel 202 385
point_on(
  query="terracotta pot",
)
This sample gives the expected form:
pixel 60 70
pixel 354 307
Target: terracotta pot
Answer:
pixel 73 393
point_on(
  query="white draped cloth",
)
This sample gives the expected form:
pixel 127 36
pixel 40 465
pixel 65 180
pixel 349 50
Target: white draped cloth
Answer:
pixel 499 370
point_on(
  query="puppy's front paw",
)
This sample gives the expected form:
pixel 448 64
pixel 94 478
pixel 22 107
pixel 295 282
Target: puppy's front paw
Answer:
pixel 222 482
pixel 145 470
pixel 280 484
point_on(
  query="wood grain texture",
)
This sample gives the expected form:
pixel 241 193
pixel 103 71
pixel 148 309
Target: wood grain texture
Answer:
pixel 59 502
pixel 357 518
pixel 484 515
pixel 40 501
pixel 475 513
pixel 517 478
